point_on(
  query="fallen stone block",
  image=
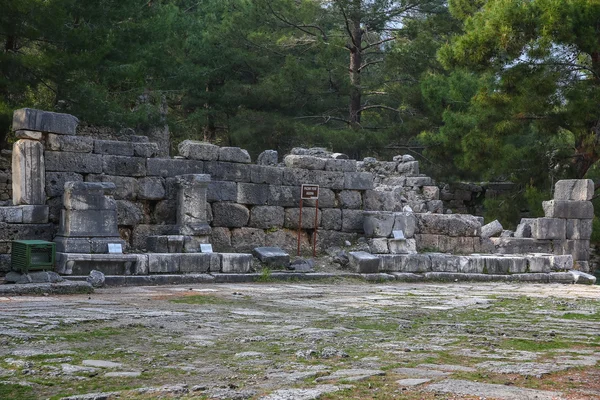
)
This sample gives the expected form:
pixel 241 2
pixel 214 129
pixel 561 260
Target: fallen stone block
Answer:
pixel 273 257
pixel 583 278
pixel 363 262
pixel 494 228
pixel 44 121
pixel 195 150
pixel 549 228
pixel 568 209
pixel 574 189
pixel 236 263
pixel 525 228
pixel 234 154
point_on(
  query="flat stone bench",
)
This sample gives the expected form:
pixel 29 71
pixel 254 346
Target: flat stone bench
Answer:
pixel 110 264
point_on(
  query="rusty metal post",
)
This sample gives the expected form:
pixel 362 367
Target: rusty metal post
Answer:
pixel 299 226
pixel 316 227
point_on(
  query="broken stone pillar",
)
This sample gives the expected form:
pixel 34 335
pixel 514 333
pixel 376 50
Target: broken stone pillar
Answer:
pixel 191 205
pixel 88 221
pixel 28 173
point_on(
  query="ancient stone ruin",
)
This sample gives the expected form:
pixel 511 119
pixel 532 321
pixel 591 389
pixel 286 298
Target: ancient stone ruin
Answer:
pixel 121 208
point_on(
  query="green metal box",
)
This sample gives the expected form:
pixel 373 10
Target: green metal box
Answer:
pixel 29 255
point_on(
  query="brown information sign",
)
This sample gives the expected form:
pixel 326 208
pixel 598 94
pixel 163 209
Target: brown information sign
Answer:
pixel 310 192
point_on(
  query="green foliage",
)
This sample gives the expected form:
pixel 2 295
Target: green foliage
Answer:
pixel 16 392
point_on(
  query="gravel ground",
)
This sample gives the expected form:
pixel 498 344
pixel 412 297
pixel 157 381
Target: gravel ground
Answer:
pixel 341 339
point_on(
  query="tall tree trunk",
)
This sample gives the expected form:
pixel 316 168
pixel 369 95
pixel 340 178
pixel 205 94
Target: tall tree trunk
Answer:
pixel 355 63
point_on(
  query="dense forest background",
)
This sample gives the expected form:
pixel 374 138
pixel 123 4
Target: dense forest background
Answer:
pixel 476 90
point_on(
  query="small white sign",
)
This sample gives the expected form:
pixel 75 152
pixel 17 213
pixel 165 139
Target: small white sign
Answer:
pixel 206 248
pixel 115 248
pixel 398 235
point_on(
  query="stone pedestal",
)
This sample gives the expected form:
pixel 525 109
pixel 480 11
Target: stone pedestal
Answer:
pixel 191 205
pixel 28 173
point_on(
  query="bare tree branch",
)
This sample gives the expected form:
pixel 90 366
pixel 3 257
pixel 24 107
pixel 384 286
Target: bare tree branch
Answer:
pixel 369 45
pixel 370 63
pixel 299 27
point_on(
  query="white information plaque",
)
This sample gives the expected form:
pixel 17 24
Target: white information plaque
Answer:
pixel 206 248
pixel 398 235
pixel 115 248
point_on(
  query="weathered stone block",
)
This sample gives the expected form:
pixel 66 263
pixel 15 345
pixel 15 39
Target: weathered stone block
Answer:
pixel 273 257
pixel 28 173
pixel 166 167
pixel 267 157
pixel 448 224
pixel 350 199
pixel 55 182
pixel 126 188
pixel 579 229
pixel 89 196
pixel 266 217
pixel 9 232
pixel 574 189
pixel 284 196
pixel 304 162
pixel 222 191
pixel 418 181
pixel 74 144
pixel 12 215
pixel 568 209
pixel 549 228
pixel 378 223
pixel 88 223
pixel 525 228
pixel 199 262
pixel 340 165
pixel 363 262
pixel 331 219
pixel 435 206
pixel 405 222
pixel 151 188
pixel 308 218
pixel 352 221
pixel 415 263
pixel 457 244
pixel 384 199
pixel 326 199
pixel 113 147
pixel 579 249
pixel 163 263
pixel 327 239
pixel 494 228
pixel 379 246
pixel 266 174
pixel 145 150
pixel 73 162
pixel 234 154
pixel 408 168
pixel 165 212
pixel 358 180
pixel 124 166
pixel 31 135
pixel 328 179
pixel 236 263
pixel 427 242
pixel 191 203
pixel 142 231
pixel 221 239
pixel 44 121
pixel 195 150
pixel 225 171
pixel 431 192
pixel 508 245
pixel 252 193
pixel 288 240
pixel 407 246
pixel 35 214
pixel 129 213
pixel 230 215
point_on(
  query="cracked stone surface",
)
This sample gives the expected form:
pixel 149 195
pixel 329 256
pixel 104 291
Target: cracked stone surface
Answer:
pixel 339 340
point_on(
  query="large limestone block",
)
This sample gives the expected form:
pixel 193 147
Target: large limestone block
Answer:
pixel 409 168
pixel 407 246
pixel 358 180
pixel 234 154
pixel 331 219
pixel 163 263
pixel 74 144
pixel 549 228
pixel 272 256
pixel 405 222
pixel 568 209
pixel 511 245
pixel 83 163
pixel 266 174
pixel 44 121
pixel 222 191
pixel 284 196
pixel 88 223
pixel 166 167
pixel 196 263
pixel 525 228
pixel 352 221
pixel 579 249
pixel 191 199
pixel 448 224
pixel 145 150
pixel 124 166
pixel 574 189
pixel 195 150
pixel 126 187
pixel 267 157
pixel 236 263
pixel 267 217
pixel 363 262
pixel 350 199
pixel 55 182
pixel 28 173
pixel 230 215
pixel 151 188
pixel 378 223
pixel 89 196
pixel 379 246
pixel 579 229
pixel 292 218
pixel 383 199
pixel 113 147
pixel 227 171
pixel 246 239
pixel 304 162
pixel 252 193
pixel 494 228
pixel 340 165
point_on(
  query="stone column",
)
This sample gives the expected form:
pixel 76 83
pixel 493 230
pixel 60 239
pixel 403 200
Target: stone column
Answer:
pixel 191 204
pixel 28 173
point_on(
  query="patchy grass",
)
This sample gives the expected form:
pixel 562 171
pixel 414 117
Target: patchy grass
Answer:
pixel 580 316
pixel 201 299
pixel 16 392
pixel 534 345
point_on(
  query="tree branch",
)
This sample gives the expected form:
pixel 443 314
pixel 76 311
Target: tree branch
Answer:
pixel 370 63
pixel 299 27
pixel 369 45
pixel 347 25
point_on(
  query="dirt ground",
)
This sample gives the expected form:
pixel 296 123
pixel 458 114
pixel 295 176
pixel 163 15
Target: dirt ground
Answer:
pixel 340 339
